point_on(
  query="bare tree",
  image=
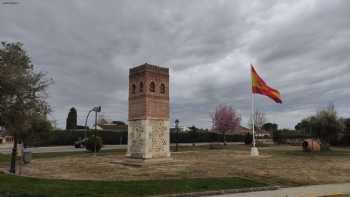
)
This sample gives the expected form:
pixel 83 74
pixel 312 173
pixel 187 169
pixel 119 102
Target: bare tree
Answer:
pixel 259 121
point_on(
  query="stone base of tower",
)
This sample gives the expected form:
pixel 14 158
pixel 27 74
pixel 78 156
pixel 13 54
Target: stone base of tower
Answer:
pixel 148 139
pixel 148 162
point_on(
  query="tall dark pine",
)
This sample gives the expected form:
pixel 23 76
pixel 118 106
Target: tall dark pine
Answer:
pixel 71 122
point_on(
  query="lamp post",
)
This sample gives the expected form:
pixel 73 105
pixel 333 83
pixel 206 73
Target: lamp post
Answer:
pixel 177 134
pixel 86 119
pixel 95 109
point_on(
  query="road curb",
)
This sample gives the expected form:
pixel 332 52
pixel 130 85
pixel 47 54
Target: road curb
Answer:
pixel 219 192
pixel 331 195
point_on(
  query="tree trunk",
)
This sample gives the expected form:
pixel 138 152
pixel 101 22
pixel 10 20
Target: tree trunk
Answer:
pixel 14 155
pixel 224 138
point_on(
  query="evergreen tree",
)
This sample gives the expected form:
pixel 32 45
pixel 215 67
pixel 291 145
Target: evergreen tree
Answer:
pixel 71 122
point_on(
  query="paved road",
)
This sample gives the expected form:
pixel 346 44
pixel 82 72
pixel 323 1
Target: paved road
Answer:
pixel 305 191
pixel 55 149
pixel 6 149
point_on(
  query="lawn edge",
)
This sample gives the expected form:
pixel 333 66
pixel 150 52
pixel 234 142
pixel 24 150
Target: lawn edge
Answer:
pixel 219 192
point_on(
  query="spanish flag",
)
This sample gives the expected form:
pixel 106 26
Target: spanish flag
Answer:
pixel 260 87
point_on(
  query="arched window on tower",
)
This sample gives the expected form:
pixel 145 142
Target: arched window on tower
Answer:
pixel 141 86
pixel 152 87
pixel 133 88
pixel 162 88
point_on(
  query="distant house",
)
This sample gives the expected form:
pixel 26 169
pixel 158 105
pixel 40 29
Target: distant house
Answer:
pixel 5 138
pixel 104 124
pixel 184 129
pixel 238 131
pixel 245 130
pixel 263 134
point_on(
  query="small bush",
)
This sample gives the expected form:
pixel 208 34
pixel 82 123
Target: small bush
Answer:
pixel 345 140
pixel 325 146
pixel 248 139
pixel 94 143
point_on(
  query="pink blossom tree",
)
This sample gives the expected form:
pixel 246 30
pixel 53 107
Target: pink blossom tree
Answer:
pixel 225 119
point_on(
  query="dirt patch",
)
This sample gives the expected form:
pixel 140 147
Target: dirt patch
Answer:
pixel 235 161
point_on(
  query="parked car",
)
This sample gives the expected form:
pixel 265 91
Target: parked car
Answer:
pixel 80 143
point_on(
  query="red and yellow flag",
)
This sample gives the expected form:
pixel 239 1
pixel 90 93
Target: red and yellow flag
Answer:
pixel 260 87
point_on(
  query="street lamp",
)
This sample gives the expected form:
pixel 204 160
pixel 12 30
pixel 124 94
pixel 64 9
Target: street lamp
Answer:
pixel 86 119
pixel 177 133
pixel 96 110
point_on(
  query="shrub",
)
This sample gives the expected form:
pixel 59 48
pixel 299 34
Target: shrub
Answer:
pixel 202 136
pixel 325 146
pixel 345 140
pixel 94 143
pixel 248 139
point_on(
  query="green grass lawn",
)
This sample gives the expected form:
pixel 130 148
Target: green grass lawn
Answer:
pixel 16 186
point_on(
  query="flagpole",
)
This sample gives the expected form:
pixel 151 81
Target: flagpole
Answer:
pixel 253 118
pixel 254 150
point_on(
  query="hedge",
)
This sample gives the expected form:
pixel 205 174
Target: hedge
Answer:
pixel 344 140
pixel 282 137
pixel 188 137
pixel 68 137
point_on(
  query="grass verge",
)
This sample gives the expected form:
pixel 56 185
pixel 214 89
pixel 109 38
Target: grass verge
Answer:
pixel 16 186
pixel 4 158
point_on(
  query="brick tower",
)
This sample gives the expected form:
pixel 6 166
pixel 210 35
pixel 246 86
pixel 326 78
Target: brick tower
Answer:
pixel 148 128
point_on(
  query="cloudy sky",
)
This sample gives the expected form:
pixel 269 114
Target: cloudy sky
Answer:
pixel 301 48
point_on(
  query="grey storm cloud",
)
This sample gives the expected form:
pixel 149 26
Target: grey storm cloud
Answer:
pixel 299 47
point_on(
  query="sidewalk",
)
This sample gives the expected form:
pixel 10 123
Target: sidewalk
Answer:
pixel 304 191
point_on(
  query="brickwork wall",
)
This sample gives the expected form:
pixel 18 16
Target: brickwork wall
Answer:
pixel 146 104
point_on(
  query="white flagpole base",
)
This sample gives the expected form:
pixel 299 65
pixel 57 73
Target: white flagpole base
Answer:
pixel 254 152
